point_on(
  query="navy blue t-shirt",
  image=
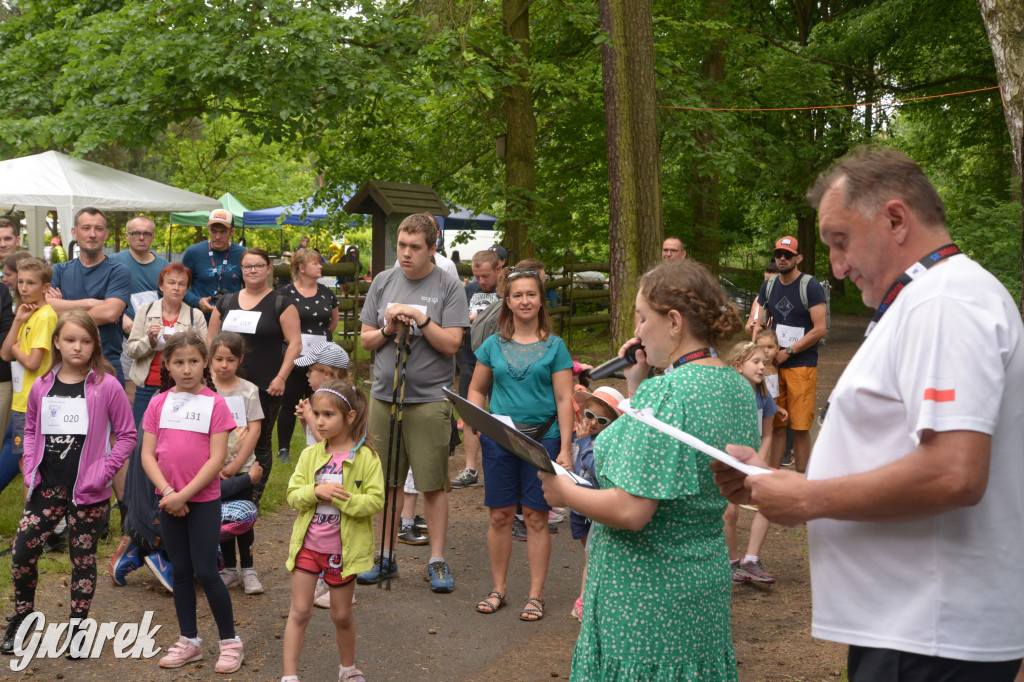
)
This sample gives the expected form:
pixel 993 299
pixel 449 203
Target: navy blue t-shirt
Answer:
pixel 107 279
pixel 788 310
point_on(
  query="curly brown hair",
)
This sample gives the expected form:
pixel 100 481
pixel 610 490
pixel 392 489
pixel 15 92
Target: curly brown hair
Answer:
pixel 690 289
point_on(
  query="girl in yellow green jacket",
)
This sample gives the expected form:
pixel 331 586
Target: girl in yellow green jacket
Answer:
pixel 337 487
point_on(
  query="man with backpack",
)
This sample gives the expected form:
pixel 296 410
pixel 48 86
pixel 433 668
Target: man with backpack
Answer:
pixel 795 308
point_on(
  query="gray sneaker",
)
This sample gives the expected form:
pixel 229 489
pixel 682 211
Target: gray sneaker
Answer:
pixel 518 530
pixel 410 536
pixel 755 571
pixel 466 479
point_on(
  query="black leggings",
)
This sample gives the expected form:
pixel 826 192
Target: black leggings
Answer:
pixel 43 511
pixel 296 388
pixel 245 543
pixel 191 544
pixel 271 404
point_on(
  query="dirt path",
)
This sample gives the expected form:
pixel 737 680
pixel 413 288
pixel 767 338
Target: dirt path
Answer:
pixel 411 633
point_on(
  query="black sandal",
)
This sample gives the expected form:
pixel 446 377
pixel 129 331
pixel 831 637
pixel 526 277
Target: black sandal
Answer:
pixel 486 606
pixel 533 611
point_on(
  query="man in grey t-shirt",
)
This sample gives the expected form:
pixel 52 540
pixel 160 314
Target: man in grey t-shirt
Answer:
pixel 431 303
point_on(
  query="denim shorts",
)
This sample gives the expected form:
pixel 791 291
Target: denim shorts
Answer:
pixel 509 480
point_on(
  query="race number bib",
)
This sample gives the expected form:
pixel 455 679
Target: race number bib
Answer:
pixel 326 513
pixel 17 376
pixel 64 416
pixel 236 404
pixel 772 382
pixel 187 412
pixel 310 340
pixel 421 308
pixel 788 335
pixel 142 298
pixel 241 321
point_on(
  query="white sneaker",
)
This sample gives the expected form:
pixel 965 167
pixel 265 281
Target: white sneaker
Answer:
pixel 229 576
pixel 250 583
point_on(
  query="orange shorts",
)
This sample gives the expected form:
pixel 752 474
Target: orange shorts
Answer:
pixel 797 386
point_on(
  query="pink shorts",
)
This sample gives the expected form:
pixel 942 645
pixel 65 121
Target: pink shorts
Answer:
pixel 309 561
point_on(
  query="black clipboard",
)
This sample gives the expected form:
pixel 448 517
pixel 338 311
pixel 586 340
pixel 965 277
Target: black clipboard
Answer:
pixel 522 446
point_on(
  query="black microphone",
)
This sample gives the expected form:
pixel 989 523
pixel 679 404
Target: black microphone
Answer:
pixel 613 365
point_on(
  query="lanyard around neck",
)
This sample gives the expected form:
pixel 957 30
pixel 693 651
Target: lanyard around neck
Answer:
pixel 698 354
pixel 219 272
pixel 913 272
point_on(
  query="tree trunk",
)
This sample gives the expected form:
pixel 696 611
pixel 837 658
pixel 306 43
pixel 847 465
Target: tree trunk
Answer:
pixel 521 136
pixel 634 174
pixel 704 177
pixel 1004 22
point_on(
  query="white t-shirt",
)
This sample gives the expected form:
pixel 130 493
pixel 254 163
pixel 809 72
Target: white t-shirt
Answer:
pixel 948 355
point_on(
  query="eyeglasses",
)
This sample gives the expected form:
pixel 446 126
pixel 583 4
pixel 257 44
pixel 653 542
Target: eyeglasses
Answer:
pixel 603 421
pixel 136 233
pixel 780 254
pixel 254 268
pixel 670 250
pixel 516 274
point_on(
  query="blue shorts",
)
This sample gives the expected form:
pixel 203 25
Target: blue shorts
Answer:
pixel 579 524
pixel 509 480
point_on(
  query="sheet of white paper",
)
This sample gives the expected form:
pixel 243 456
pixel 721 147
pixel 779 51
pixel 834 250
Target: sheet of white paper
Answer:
pixel 788 335
pixel 559 469
pixel 647 417
pixel 504 419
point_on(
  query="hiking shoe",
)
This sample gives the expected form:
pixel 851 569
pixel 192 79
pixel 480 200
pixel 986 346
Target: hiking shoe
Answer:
pixel 737 575
pixel 787 459
pixel 410 536
pixel 440 577
pixel 518 530
pixel 466 479
pixel 552 527
pixel 11 639
pixel 181 653
pixel 250 582
pixel 420 524
pixel 282 455
pixel 374 575
pixel 124 560
pixel 755 571
pixel 230 658
pixel 161 568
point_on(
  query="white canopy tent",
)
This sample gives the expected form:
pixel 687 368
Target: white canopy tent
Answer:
pixel 51 180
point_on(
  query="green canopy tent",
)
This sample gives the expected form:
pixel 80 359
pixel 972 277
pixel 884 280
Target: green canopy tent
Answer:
pixel 227 200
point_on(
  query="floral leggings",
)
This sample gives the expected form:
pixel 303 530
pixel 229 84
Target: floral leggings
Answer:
pixel 43 511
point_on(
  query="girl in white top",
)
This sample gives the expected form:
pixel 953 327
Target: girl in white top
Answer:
pixel 238 513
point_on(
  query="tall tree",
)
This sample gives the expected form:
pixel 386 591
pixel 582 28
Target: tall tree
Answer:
pixel 521 134
pixel 1004 23
pixel 634 175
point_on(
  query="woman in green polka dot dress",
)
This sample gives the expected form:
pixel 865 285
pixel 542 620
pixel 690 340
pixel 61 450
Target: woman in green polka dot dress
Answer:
pixel 657 599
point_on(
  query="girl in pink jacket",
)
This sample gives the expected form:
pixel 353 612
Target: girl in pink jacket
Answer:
pixel 71 412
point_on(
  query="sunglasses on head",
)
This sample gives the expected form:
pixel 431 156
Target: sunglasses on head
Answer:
pixel 603 421
pixel 515 274
pixel 780 253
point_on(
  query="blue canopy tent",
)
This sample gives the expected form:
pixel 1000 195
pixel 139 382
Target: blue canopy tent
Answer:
pixel 464 219
pixel 301 213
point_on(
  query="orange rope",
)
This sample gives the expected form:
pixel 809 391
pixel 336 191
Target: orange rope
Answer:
pixel 843 106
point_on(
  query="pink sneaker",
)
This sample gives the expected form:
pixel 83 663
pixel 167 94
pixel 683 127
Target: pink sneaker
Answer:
pixel 354 675
pixel 181 653
pixel 230 658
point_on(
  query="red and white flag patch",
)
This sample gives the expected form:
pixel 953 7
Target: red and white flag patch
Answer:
pixel 940 395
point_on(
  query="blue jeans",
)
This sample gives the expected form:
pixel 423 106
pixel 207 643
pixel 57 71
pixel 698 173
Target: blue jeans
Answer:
pixel 8 460
pixel 143 394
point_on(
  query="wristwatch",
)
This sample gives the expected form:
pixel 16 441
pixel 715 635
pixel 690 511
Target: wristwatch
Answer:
pixel 788 349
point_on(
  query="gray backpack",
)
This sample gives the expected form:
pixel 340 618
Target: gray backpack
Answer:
pixel 485 324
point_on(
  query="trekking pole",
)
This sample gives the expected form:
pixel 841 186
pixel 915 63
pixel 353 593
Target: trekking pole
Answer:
pixel 398 393
pixel 404 346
